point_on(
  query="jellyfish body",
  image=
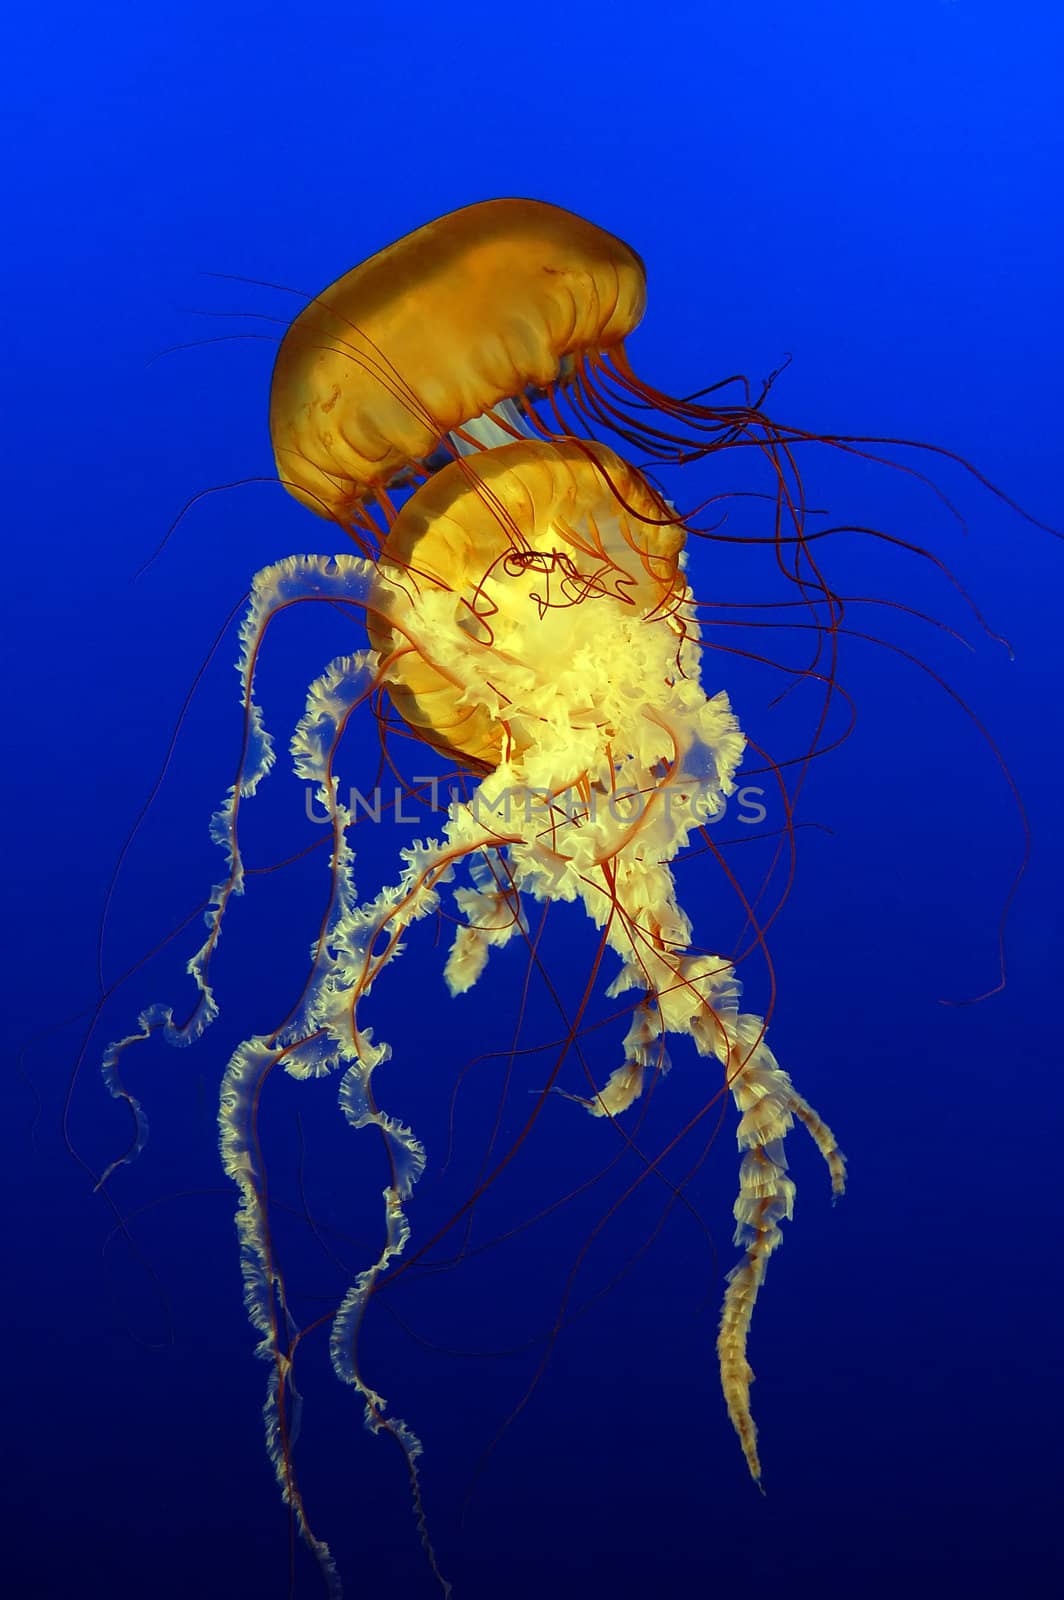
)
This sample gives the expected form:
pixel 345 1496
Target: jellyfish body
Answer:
pixel 434 331
pixel 529 617
pixel 493 583
pixel 604 754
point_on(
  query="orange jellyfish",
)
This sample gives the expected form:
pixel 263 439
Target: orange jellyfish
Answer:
pixel 539 625
pixel 528 616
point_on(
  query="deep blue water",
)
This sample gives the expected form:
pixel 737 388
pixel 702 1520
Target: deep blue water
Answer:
pixel 873 190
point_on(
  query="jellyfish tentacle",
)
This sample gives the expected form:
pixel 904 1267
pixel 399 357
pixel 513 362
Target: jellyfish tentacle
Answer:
pixel 317 1038
pixel 765 1199
pixel 347 961
pixel 352 965
pixel 294 580
pixel 703 1001
pixel 491 906
pixel 157 1016
pixel 768 1104
pixel 248 1069
pixel 273 589
pixel 824 1140
pixel 299 1044
pixel 698 995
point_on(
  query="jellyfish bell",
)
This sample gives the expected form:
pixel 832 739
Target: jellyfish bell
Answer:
pixel 533 628
pixel 432 333
pixel 496 589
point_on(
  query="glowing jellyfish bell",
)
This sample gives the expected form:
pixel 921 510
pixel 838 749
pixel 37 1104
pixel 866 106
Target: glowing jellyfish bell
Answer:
pixel 433 332
pixel 530 618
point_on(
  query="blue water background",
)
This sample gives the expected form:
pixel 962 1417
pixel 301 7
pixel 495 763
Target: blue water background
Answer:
pixel 872 189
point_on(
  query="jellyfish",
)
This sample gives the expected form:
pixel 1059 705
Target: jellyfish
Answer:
pixel 520 604
pixel 531 616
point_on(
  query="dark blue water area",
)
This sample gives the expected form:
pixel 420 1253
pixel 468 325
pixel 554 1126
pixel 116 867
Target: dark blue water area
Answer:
pixel 872 191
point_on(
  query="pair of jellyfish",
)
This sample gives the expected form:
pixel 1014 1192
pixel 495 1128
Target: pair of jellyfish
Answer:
pixel 528 616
